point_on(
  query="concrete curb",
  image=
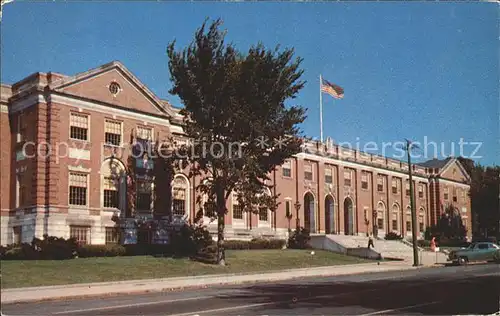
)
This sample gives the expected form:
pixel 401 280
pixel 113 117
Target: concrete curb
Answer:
pixel 59 292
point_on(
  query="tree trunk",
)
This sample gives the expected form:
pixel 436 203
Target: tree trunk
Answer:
pixel 221 212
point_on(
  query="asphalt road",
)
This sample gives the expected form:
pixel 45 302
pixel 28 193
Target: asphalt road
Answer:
pixel 473 289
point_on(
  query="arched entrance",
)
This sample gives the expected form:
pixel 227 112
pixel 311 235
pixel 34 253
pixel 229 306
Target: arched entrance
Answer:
pixel 309 220
pixel 348 217
pixel 329 215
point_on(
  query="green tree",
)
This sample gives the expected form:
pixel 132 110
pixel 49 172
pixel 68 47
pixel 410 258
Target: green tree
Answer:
pixel 484 194
pixel 235 116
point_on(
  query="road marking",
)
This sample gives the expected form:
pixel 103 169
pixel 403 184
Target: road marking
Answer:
pixel 225 309
pixel 401 308
pixel 134 305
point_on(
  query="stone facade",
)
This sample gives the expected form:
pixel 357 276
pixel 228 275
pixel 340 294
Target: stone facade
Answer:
pixel 64 138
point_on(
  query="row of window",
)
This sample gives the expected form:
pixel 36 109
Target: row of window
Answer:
pixel 309 176
pixel 455 194
pixel 80 233
pixel 80 125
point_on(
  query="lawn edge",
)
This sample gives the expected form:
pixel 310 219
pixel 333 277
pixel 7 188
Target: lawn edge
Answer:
pixel 22 295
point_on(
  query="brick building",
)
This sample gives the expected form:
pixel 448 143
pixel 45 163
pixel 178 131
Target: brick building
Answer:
pixel 64 162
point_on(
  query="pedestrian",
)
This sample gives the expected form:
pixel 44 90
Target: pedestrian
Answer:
pixel 370 242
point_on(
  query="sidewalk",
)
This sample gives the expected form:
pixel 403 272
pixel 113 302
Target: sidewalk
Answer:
pixel 18 295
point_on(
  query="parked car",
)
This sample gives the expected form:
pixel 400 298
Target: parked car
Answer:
pixel 479 251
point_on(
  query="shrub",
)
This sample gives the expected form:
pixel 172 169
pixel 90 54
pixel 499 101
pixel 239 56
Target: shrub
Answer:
pixel 393 236
pixel 20 252
pixel 55 248
pixel 87 251
pixel 299 239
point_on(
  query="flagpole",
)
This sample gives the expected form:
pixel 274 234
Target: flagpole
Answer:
pixel 320 110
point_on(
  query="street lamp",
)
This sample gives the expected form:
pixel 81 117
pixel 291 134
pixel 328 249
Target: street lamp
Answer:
pixel 409 146
pixel 297 209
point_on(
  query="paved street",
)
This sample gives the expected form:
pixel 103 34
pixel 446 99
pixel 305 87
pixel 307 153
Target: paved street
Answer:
pixel 473 289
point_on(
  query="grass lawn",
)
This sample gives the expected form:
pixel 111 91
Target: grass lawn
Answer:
pixel 53 272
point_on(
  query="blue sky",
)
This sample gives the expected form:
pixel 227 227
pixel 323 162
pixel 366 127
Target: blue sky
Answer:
pixel 418 70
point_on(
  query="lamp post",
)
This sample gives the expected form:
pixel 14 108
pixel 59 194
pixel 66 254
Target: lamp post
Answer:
pixel 409 146
pixel 297 209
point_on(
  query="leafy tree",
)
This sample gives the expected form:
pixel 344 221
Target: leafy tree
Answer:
pixel 484 194
pixel 234 111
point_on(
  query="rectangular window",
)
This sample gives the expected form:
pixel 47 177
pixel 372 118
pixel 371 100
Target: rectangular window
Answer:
pixel 143 195
pixel 446 194
pixel 462 195
pixel 420 191
pixel 394 224
pixel 144 133
pixel 21 128
pixel 17 235
pixel 364 180
pixel 112 235
pixel 328 176
pixel 407 188
pixel 347 178
pixel 308 172
pixel 179 203
pixel 77 188
pixel 380 184
pixel 110 192
pixel 80 233
pixel 263 214
pixel 288 212
pixel 237 211
pixel 380 223
pixel 210 209
pixel 113 132
pixel 79 126
pixel 455 198
pixel 408 223
pixel 287 169
pixel 421 224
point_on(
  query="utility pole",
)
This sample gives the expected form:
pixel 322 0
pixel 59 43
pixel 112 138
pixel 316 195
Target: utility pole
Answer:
pixel 409 146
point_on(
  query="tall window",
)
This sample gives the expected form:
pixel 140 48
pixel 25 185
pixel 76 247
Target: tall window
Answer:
pixel 288 211
pixel 287 169
pixel 394 221
pixel 78 126
pixel 380 184
pixel 407 185
pixel 110 192
pixel 143 195
pixel 263 216
pixel 80 233
pixel 408 219
pixel 364 180
pixel 77 188
pixel 455 198
pixel 328 175
pixel 210 209
pixel 347 178
pixel 179 203
pixel 394 186
pixel 113 132
pixel 308 172
pixel 112 235
pixel 420 191
pixel 237 209
pixel 462 195
pixel 17 235
pixel 21 128
pixel 446 193
pixel 421 223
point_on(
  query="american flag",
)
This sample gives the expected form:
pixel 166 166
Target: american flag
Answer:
pixel 332 89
